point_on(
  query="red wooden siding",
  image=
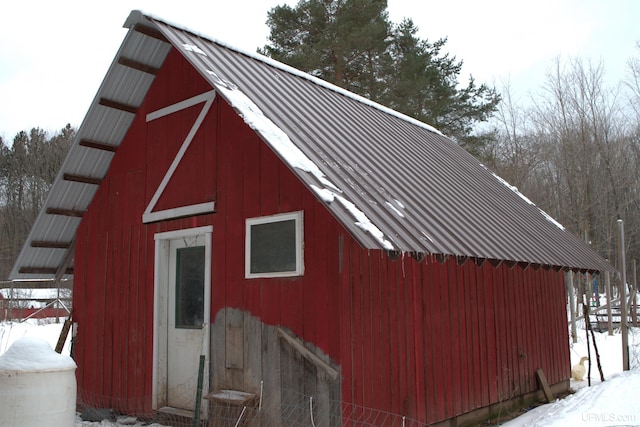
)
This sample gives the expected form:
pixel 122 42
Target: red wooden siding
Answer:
pixel 427 340
pixel 462 337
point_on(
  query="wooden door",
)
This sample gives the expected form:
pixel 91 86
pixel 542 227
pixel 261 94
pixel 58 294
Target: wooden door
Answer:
pixel 185 322
pixel 182 316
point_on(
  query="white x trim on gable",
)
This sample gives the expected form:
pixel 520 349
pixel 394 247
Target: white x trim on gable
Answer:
pixel 149 215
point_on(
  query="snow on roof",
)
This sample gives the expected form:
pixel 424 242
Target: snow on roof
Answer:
pixel 282 144
pixel 280 141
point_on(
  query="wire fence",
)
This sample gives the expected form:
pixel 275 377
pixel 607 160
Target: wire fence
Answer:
pixel 297 409
pixel 633 337
pixel 290 408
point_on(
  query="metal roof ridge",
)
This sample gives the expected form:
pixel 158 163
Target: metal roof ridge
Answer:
pixel 138 15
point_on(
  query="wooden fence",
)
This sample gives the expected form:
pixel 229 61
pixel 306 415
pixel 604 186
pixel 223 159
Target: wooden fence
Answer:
pixel 21 300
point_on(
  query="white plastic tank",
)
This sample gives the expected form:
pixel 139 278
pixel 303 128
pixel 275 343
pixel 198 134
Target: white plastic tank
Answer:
pixel 37 386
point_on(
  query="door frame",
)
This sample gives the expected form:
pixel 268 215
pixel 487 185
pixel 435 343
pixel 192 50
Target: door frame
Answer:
pixel 160 281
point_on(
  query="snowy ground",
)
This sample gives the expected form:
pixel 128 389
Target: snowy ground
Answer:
pixel 609 403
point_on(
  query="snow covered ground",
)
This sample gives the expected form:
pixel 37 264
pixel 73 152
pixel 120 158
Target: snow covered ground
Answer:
pixel 609 403
pixel 45 329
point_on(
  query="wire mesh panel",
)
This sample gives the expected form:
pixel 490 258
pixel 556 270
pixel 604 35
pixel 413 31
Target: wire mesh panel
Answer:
pixel 295 410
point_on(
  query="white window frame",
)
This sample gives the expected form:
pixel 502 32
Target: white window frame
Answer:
pixel 299 228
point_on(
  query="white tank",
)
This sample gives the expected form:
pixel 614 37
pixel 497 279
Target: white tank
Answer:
pixel 37 386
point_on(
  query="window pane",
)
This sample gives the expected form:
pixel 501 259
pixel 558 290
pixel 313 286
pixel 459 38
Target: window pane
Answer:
pixel 273 247
pixel 190 287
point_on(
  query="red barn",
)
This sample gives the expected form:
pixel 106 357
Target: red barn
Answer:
pixel 307 242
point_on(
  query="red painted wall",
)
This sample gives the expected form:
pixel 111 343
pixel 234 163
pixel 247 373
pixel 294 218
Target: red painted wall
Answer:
pixel 427 340
pixel 434 340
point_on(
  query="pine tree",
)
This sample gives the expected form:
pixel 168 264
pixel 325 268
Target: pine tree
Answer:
pixel 27 171
pixel 423 83
pixel 352 44
pixel 340 41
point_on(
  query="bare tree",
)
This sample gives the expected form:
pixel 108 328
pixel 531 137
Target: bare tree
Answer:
pixel 573 151
pixel 579 119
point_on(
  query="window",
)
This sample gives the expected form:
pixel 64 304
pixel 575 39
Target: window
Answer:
pixel 274 246
pixel 190 266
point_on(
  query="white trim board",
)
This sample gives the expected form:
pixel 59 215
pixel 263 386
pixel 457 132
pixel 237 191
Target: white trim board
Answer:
pixel 187 232
pixel 149 215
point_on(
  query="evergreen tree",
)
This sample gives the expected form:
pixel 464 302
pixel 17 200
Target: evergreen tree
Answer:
pixel 352 44
pixel 27 171
pixel 422 82
pixel 338 41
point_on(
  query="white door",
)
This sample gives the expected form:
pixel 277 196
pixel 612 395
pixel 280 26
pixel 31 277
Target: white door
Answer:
pixel 183 316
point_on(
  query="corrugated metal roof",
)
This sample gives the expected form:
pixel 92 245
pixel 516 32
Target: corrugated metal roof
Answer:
pixel 394 183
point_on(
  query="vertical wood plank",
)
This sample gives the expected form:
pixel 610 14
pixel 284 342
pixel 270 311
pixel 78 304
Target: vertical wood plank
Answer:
pixel 234 230
pixel 379 347
pixel 317 229
pixel 366 350
pixel 217 372
pixel 134 336
pixel 391 291
pixel 249 187
pixel 512 366
pixel 346 311
pixel 456 322
pixel 562 357
pixel 121 331
pixel 253 354
pixel 272 397
pixel 234 348
pixel 313 294
pixel 483 334
pixel 219 241
pixel 357 332
pixel 408 342
pixel 531 329
pixel 467 374
pixel 146 315
pixel 439 324
pixel 333 255
pixel 447 345
pixel 269 182
pixel 520 316
pixel 105 322
pixel 413 270
pixel 493 350
pixel 500 333
pixel 476 375
pixel 428 283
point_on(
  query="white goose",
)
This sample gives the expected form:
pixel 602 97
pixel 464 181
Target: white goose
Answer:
pixel 578 370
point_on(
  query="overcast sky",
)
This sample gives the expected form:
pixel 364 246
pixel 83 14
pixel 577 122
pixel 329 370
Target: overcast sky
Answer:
pixel 54 54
